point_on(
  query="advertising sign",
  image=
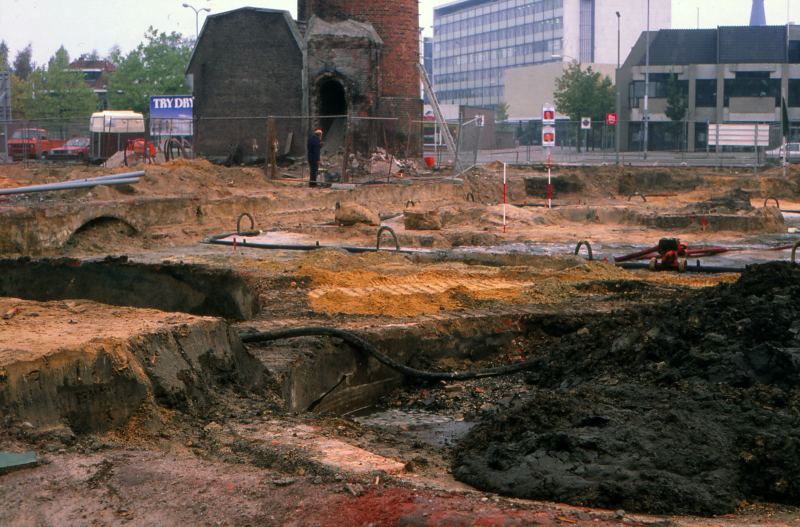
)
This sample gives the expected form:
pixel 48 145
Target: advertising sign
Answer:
pixel 611 118
pixel 739 135
pixel 548 114
pixel 171 115
pixel 586 123
pixel 548 136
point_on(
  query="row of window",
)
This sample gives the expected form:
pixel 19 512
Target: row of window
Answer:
pixel 748 85
pixel 552 24
pixel 514 13
pixel 544 46
pixel 478 75
pixel 470 93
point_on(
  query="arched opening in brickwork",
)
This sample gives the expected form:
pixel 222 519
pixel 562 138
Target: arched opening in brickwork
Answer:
pixel 332 101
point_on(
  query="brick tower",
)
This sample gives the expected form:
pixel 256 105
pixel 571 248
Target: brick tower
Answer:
pixel 397 23
pixel 398 82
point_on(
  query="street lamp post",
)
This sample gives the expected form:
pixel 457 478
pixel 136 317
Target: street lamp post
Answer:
pixel 616 125
pixel 647 81
pixel 196 19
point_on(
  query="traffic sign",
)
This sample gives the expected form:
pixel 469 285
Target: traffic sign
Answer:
pixel 548 136
pixel 548 114
pixel 586 123
pixel 611 118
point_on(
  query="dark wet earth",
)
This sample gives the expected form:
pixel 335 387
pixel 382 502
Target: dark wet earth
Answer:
pixel 685 406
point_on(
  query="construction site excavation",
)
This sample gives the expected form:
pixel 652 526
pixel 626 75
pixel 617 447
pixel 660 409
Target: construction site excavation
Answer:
pixel 302 300
pixel 209 346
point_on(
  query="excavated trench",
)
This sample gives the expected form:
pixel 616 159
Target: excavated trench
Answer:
pixel 118 281
pixel 126 344
pixel 687 405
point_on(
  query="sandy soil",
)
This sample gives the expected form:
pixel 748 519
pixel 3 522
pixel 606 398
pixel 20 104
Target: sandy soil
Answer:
pixel 187 473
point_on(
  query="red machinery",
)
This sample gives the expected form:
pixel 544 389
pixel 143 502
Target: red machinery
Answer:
pixel 670 250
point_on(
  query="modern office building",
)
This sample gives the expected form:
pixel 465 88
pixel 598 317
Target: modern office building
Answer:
pixel 475 41
pixel 427 63
pixel 726 75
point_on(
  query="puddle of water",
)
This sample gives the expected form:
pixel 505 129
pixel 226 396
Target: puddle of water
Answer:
pixel 427 427
pixel 753 250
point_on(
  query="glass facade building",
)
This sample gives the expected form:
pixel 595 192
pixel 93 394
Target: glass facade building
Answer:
pixel 474 41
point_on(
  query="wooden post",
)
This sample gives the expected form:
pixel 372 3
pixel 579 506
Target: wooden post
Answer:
pixel 408 144
pixel 273 146
pixel 386 146
pixel 266 153
pixel 345 160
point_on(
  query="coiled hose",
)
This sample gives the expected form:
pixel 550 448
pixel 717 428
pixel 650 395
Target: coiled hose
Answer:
pixel 369 349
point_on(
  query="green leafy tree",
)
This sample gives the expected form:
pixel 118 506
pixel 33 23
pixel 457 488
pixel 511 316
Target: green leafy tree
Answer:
pixel 23 65
pixel 501 115
pixel 20 97
pixel 155 67
pixel 676 107
pixel 90 56
pixel 584 93
pixel 56 91
pixel 4 64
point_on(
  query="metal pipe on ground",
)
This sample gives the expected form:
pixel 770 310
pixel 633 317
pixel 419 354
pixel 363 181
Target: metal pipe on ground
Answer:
pixel 689 268
pixel 111 177
pixel 533 205
pixel 302 247
pixel 67 185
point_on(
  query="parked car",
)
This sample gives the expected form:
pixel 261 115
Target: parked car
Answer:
pixel 76 149
pixel 792 153
pixel 33 143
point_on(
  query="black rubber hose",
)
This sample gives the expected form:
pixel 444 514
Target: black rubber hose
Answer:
pixel 588 248
pixel 239 222
pixel 251 234
pixel 369 349
pixel 391 231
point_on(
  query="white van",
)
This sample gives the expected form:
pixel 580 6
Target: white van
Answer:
pixel 111 131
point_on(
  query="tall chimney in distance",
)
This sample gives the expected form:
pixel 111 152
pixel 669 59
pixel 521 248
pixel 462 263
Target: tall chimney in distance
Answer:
pixel 757 16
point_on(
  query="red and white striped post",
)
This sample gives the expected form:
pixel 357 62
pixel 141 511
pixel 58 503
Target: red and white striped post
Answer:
pixel 504 197
pixel 549 187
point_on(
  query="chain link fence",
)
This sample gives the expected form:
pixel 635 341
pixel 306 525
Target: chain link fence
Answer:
pixel 683 143
pixel 468 141
pixel 362 148
pixel 68 141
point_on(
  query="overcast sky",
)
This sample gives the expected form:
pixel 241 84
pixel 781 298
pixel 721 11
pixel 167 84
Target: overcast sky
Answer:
pixel 86 25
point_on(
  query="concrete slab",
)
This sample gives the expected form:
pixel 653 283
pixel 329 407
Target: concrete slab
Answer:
pixel 13 462
pixel 331 453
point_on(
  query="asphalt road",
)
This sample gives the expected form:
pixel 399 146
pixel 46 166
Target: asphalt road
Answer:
pixel 566 155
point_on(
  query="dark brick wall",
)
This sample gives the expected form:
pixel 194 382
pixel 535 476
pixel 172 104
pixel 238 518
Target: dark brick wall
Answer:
pixel 351 62
pixel 408 112
pixel 397 23
pixel 397 83
pixel 247 64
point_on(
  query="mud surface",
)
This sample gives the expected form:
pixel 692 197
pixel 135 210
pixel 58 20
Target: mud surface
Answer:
pixel 688 407
pixel 687 418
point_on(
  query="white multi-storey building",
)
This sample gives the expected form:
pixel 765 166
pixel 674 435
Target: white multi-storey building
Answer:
pixel 475 41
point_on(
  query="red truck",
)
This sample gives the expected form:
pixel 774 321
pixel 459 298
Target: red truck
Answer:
pixel 33 142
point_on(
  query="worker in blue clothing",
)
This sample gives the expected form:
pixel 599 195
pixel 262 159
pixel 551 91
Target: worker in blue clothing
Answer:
pixel 314 146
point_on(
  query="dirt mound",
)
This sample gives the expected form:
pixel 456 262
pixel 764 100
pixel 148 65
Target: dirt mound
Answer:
pixel 737 200
pixel 656 450
pixel 655 180
pixel 539 187
pixel 685 407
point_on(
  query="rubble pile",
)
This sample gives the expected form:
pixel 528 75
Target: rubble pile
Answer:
pixel 690 406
